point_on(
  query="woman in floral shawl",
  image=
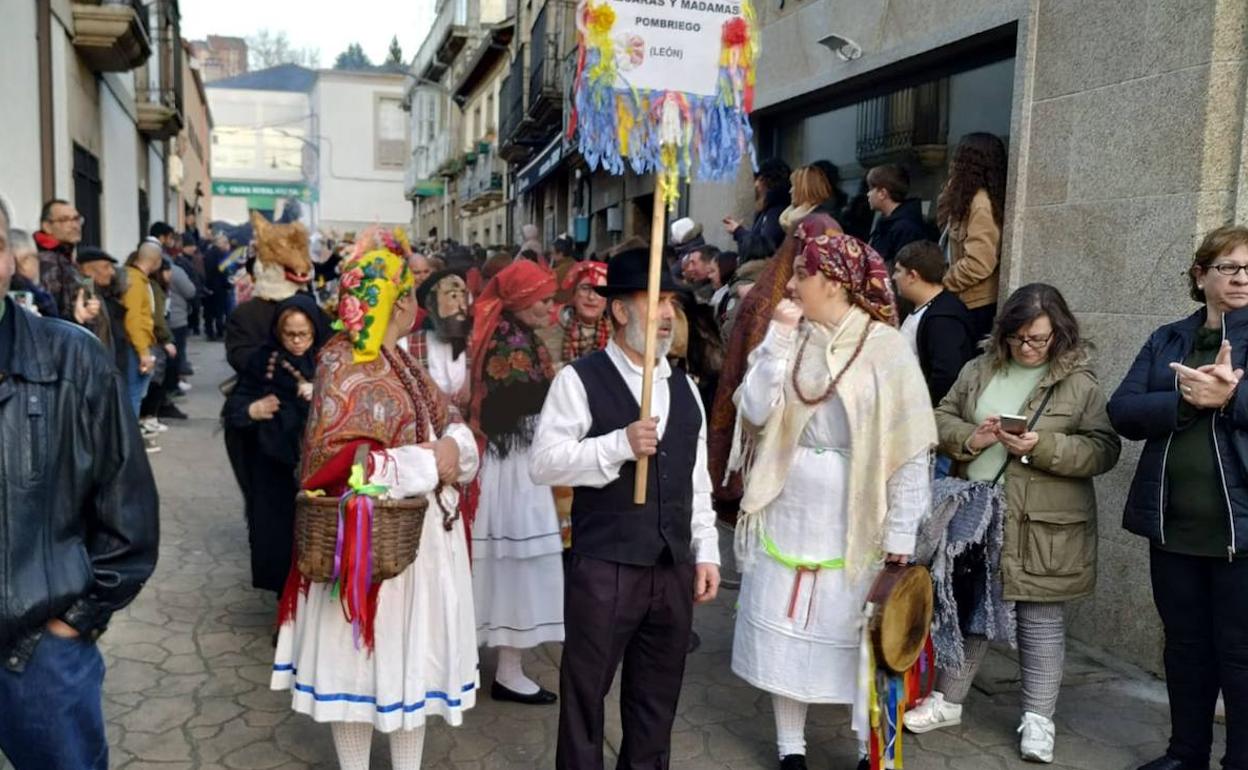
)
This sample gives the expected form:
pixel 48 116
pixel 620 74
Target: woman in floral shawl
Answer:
pixel 390 656
pixel 517 566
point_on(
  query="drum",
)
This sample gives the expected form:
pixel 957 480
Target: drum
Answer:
pixel 900 607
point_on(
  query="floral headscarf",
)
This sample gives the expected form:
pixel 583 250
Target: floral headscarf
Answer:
pixel 824 248
pixel 372 281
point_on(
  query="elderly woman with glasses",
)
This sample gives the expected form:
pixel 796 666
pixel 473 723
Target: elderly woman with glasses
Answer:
pixel 1182 397
pixel 1036 368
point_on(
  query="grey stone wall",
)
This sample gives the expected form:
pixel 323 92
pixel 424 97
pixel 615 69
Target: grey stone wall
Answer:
pixel 1130 146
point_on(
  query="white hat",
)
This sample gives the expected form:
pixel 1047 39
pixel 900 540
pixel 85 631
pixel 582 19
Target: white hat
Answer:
pixel 684 230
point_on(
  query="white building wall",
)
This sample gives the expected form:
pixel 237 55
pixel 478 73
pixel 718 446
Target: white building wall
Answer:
pixel 157 197
pixel 20 179
pixel 119 173
pixel 354 192
pixel 64 148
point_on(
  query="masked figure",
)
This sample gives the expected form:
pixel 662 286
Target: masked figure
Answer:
pixel 441 344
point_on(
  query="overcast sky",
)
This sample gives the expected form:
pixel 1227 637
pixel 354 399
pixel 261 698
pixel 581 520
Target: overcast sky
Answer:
pixel 325 25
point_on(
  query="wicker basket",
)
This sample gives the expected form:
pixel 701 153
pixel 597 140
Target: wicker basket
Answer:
pixel 397 525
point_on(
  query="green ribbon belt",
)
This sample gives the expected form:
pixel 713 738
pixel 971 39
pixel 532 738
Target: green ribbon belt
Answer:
pixel 795 563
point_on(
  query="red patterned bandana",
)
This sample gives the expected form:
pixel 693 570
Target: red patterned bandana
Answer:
pixel 848 261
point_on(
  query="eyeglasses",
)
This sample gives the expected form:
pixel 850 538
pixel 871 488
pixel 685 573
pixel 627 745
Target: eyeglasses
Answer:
pixel 79 219
pixel 296 336
pixel 1033 342
pixel 1228 269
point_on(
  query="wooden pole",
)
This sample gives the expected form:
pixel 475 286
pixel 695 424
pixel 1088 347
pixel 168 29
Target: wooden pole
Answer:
pixel 652 328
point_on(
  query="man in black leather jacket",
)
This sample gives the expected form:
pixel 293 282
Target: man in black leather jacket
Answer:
pixel 78 530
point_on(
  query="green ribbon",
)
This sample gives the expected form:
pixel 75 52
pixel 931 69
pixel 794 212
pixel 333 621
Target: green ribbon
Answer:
pixel 356 482
pixel 793 562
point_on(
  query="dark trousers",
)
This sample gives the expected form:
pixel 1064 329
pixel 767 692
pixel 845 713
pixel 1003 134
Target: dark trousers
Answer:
pixel 52 715
pixel 642 616
pixel 981 320
pixel 193 309
pixel 1203 603
pixel 183 364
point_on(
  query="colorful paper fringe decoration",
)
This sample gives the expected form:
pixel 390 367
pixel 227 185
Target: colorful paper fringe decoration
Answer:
pixel 888 698
pixel 661 132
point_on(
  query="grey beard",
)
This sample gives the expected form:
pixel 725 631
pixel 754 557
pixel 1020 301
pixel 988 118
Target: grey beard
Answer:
pixel 635 336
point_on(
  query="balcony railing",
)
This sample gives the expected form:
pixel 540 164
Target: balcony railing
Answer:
pixel 158 93
pixel 511 104
pixel 545 91
pixel 911 124
pixel 112 35
pixel 481 184
pixel 445 40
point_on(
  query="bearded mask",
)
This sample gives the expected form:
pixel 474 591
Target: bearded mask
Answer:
pixel 445 298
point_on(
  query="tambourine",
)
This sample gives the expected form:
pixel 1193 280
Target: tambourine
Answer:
pixel 900 604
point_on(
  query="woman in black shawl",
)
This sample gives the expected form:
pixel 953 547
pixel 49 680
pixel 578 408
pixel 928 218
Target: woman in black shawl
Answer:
pixel 269 405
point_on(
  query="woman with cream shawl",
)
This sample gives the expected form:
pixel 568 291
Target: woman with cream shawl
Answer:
pixel 834 432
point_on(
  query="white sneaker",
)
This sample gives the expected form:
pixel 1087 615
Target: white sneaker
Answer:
pixel 1038 736
pixel 932 713
pixel 152 426
pixel 184 386
pixel 150 446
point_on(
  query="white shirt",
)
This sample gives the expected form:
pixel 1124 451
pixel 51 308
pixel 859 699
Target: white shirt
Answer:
pixel 448 371
pixel 910 327
pixel 561 455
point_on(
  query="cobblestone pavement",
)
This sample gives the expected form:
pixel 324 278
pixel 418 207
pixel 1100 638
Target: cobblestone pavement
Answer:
pixel 189 661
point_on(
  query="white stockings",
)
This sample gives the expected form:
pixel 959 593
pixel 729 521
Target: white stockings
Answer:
pixel 510 673
pixel 354 740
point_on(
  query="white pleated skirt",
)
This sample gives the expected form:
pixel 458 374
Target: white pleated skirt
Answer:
pixel 517 557
pixel 425 659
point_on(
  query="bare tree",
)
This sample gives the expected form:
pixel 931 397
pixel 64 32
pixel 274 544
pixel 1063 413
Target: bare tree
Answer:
pixel 269 49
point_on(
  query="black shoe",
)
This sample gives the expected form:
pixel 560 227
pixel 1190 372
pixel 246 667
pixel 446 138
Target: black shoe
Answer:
pixel 170 412
pixel 695 642
pixel 540 698
pixel 864 764
pixel 1170 763
pixel 793 762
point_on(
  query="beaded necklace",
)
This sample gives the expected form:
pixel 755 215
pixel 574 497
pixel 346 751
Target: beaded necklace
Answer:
pixel 831 389
pixel 417 390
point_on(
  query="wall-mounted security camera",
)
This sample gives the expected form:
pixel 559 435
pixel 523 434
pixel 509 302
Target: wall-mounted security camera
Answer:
pixel 843 47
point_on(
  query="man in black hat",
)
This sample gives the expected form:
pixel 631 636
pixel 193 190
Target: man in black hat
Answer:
pixel 101 268
pixel 440 345
pixel 635 571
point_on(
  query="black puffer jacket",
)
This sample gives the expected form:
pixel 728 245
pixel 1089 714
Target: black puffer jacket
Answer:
pixel 1146 408
pixel 904 225
pixel 78 505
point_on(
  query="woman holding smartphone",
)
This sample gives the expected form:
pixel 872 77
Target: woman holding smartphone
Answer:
pixel 1035 366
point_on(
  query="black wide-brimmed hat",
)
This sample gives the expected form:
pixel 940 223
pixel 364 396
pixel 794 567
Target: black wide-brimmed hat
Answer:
pixel 628 271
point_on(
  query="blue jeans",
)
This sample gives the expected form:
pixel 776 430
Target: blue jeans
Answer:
pixel 944 466
pixel 136 383
pixel 53 717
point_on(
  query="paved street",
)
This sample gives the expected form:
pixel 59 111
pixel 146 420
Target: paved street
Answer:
pixel 188 668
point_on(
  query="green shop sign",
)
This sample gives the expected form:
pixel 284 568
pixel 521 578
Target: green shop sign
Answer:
pixel 267 190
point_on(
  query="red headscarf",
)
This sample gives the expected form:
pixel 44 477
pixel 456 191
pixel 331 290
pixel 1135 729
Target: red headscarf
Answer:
pixel 594 273
pixel 823 248
pixel 517 286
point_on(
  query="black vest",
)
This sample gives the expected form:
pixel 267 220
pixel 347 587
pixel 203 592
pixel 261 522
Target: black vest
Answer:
pixel 606 524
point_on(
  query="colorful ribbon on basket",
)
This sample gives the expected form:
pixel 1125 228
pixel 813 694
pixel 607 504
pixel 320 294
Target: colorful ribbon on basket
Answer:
pixel 887 700
pixel 353 553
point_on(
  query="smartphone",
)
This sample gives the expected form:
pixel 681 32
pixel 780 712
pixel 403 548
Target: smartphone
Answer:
pixel 1014 424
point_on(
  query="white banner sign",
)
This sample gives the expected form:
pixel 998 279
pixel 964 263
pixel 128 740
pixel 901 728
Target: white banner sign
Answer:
pixel 670 45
